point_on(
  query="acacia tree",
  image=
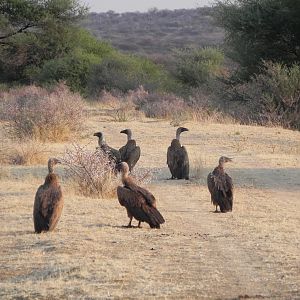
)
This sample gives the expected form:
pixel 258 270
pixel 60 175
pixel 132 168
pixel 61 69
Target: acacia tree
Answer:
pixel 260 30
pixel 32 31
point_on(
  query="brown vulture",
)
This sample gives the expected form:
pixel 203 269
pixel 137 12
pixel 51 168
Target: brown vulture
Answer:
pixel 48 203
pixel 113 154
pixel 139 203
pixel 177 157
pixel 130 153
pixel 220 187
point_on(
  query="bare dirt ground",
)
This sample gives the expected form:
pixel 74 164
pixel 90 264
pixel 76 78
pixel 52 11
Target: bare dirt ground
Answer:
pixel 253 252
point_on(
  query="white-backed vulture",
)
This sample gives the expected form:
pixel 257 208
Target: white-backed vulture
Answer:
pixel 48 203
pixel 220 186
pixel 139 203
pixel 130 153
pixel 177 157
pixel 113 154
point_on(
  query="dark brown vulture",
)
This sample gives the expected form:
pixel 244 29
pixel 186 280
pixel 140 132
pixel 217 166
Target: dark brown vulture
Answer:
pixel 177 157
pixel 113 154
pixel 220 187
pixel 48 203
pixel 139 203
pixel 130 153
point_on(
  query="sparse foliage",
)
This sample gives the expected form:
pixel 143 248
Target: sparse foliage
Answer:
pixel 93 173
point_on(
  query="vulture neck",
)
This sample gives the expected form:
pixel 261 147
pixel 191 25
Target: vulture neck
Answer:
pixel 178 136
pixel 51 179
pixel 101 141
pixel 50 168
pixel 221 166
pixel 129 135
pixel 125 177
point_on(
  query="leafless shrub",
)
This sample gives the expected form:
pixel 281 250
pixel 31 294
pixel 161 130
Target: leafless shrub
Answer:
pixel 165 106
pixel 34 112
pixel 93 173
pixel 122 107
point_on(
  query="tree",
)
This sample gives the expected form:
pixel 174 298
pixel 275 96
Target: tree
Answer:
pixel 258 30
pixel 21 16
pixel 32 32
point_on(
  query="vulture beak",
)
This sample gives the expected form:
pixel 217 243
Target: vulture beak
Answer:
pixel 184 129
pixel 124 131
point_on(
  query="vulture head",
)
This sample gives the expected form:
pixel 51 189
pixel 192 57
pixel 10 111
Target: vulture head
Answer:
pixel 179 130
pixel 123 168
pixel 223 160
pixel 128 132
pixel 51 163
pixel 101 137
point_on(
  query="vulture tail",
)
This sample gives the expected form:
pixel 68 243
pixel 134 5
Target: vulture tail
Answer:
pixel 156 218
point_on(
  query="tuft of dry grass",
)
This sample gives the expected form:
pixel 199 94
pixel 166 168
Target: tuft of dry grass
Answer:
pixel 31 152
pixel 197 166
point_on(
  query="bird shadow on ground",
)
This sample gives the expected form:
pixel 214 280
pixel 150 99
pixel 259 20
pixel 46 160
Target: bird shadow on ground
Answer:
pixel 111 226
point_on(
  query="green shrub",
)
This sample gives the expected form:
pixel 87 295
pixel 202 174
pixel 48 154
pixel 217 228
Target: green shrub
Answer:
pixel 197 66
pixel 124 73
pixel 273 96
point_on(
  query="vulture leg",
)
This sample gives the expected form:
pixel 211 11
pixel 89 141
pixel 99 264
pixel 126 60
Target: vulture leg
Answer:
pixel 129 225
pixel 139 226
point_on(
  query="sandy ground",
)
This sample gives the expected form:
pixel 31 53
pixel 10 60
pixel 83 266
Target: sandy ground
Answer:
pixel 253 252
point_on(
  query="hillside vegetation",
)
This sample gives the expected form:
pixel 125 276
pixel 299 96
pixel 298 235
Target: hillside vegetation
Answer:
pixel 156 32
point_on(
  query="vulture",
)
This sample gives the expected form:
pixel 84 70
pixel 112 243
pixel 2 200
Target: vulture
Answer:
pixel 130 153
pixel 177 157
pixel 48 203
pixel 220 186
pixel 113 154
pixel 138 202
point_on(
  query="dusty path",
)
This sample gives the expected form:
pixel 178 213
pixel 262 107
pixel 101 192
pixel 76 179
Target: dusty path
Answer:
pixel 252 252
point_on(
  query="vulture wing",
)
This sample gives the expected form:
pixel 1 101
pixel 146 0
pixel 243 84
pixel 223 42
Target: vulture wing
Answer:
pixel 48 206
pixel 221 191
pixel 130 153
pixel 184 162
pixel 138 207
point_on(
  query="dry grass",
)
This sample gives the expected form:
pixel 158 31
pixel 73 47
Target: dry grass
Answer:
pixel 252 252
pixel 31 152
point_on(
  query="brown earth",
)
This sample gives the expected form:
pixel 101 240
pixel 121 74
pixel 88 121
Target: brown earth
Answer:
pixel 252 252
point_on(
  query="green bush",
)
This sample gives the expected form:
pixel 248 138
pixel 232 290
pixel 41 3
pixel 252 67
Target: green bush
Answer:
pixel 124 73
pixel 197 66
pixel 273 96
pixel 74 67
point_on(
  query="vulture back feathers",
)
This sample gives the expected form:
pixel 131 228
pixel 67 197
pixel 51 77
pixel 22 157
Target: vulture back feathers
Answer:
pixel 139 202
pixel 130 153
pixel 48 203
pixel 177 157
pixel 220 186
